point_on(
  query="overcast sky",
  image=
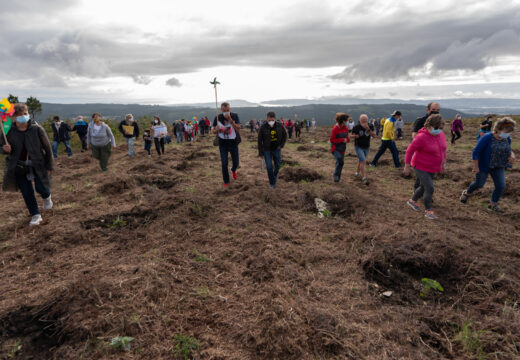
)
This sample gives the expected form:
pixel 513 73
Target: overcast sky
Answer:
pixel 167 52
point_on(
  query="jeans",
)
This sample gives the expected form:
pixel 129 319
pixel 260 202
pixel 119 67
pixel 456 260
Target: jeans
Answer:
pixel 55 147
pixel 159 145
pixel 424 189
pixel 387 144
pixel 340 160
pixel 148 146
pixel 361 153
pixel 102 153
pixel 499 179
pixel 83 139
pixel 224 150
pixel 130 142
pixel 26 187
pixel 455 135
pixel 270 157
pixel 180 137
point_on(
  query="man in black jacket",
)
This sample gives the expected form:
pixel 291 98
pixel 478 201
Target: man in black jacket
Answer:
pixel 433 108
pixel 61 134
pixel 271 139
pixel 128 127
pixel 81 128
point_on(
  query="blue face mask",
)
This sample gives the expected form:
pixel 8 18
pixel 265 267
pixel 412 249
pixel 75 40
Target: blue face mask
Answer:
pixel 24 119
pixel 504 135
pixel 435 132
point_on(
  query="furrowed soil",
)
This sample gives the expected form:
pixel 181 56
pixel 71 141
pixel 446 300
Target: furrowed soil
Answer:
pixel 156 249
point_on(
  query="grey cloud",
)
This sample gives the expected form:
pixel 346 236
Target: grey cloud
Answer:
pixel 174 82
pixel 142 79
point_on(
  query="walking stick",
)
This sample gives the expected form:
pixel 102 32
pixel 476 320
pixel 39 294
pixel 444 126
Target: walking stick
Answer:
pixel 215 83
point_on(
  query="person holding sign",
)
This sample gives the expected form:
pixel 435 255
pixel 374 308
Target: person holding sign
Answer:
pixel 130 131
pixel 227 126
pixel 101 140
pixel 29 161
pixel 159 132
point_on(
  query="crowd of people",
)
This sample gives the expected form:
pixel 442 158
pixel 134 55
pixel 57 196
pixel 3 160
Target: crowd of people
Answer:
pixel 31 157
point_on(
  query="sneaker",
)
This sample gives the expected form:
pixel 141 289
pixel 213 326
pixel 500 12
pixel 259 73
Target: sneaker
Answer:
pixel 413 205
pixel 464 197
pixel 36 220
pixel 430 215
pixel 336 179
pixel 356 175
pixel 371 165
pixel 235 175
pixel 364 181
pixel 226 186
pixel 495 208
pixel 47 203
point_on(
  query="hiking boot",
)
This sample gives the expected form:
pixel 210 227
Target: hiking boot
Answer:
pixel 47 203
pixel 235 175
pixel 430 215
pixel 413 205
pixel 495 208
pixel 36 220
pixel 464 197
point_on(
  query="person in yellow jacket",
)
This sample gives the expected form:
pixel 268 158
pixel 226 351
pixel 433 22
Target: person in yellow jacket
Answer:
pixel 387 140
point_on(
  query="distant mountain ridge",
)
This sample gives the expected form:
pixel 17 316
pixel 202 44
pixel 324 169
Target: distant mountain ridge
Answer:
pixel 323 113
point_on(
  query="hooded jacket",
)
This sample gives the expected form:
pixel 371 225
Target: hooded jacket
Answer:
pixel 427 152
pixel 81 128
pixel 337 138
pixel 38 148
pixel 127 123
pixel 62 133
pixel 264 137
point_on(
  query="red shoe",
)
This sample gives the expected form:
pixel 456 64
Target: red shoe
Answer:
pixel 235 175
pixel 226 186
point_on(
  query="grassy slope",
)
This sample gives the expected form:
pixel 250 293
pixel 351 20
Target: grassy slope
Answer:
pixel 156 248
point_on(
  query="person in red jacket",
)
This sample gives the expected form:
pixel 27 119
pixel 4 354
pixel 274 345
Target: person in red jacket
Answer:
pixel 427 154
pixel 339 139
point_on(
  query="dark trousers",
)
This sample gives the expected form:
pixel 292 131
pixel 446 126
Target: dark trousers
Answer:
pixel 399 133
pixel 298 131
pixel 26 187
pixel 340 160
pixel 289 132
pixel 102 153
pixel 387 144
pixel 83 139
pixel 272 171
pixel 159 145
pixel 455 135
pixel 424 188
pixel 224 150
pixel 148 146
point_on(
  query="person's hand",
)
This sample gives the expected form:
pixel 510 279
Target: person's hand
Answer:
pixel 406 170
pixel 7 148
pixel 228 116
pixel 476 170
pixel 512 158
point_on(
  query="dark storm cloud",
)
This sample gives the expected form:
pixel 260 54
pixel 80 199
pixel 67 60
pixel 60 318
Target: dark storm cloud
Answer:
pixel 374 52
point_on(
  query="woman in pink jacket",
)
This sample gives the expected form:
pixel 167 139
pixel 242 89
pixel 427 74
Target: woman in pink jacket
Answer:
pixel 426 154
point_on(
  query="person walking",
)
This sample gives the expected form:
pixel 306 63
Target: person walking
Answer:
pixel 289 125
pixel 130 130
pixel 101 140
pixel 339 139
pixel 485 126
pixel 159 132
pixel 313 123
pixel 350 124
pixel 178 128
pixel 61 134
pixel 298 128
pixel 457 127
pixel 399 124
pixel 29 160
pixel 81 128
pixel 427 155
pixel 377 126
pixel 362 133
pixel 147 137
pixel 271 139
pixel 387 140
pixel 491 156
pixel 227 126
pixel 188 129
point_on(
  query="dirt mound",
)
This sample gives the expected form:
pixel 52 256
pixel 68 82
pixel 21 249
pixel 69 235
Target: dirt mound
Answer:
pixel 299 174
pixel 116 186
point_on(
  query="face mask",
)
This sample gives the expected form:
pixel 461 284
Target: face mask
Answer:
pixel 156 122
pixel 435 132
pixel 271 123
pixel 58 123
pixel 434 112
pixel 504 135
pixel 226 113
pixel 24 119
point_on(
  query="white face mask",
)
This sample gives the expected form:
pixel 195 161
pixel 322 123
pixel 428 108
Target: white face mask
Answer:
pixel 271 123
pixel 226 113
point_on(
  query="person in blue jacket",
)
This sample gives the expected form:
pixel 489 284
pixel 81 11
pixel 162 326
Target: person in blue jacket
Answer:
pixel 491 155
pixel 81 128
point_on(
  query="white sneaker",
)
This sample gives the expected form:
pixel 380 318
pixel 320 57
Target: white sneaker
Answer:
pixel 47 203
pixel 36 220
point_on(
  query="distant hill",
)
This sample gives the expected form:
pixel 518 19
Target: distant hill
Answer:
pixel 323 113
